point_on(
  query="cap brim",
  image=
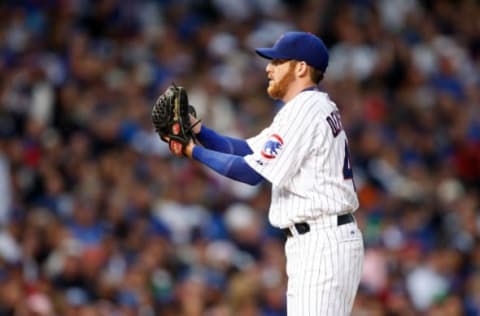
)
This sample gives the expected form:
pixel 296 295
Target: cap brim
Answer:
pixel 269 53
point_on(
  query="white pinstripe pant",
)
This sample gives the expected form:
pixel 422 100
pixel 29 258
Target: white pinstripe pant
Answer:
pixel 324 267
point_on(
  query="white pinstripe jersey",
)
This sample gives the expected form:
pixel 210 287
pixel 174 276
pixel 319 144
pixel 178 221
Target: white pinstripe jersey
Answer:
pixel 304 154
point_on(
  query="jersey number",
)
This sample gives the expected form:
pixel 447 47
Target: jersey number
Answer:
pixel 347 165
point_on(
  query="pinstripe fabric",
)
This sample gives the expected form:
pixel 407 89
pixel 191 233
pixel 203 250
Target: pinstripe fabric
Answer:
pixel 324 268
pixel 303 154
pixel 307 173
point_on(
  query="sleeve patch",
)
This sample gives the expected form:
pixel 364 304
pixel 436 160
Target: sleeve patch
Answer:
pixel 272 146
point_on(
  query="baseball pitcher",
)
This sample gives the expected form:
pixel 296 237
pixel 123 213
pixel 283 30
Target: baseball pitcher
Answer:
pixel 304 153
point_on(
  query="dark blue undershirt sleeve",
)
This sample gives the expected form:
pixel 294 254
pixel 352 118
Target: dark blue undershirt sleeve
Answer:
pixel 231 166
pixel 212 140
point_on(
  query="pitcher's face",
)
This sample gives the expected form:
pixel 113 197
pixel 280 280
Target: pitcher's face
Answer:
pixel 281 74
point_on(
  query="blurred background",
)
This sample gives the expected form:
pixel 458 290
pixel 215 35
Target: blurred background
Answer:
pixel 97 218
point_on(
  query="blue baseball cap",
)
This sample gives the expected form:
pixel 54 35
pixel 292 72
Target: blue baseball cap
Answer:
pixel 300 46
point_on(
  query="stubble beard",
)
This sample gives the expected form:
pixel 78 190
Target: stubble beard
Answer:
pixel 277 90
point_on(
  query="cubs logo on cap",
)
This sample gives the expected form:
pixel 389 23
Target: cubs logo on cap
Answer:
pixel 272 146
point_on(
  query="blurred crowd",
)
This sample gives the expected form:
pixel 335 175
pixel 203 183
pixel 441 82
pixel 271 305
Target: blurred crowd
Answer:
pixel 97 218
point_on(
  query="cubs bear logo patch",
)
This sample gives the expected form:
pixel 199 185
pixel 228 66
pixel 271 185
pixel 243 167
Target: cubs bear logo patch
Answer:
pixel 272 146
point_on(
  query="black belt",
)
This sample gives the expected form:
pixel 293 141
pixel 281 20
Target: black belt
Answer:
pixel 303 228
